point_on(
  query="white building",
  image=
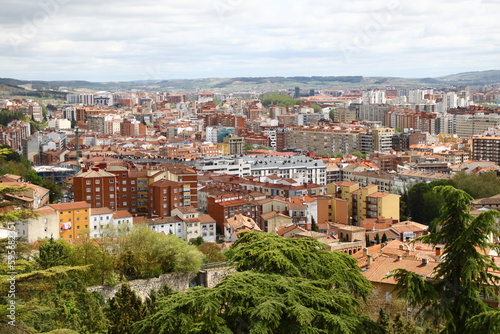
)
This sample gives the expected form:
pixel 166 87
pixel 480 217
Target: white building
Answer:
pixel 211 133
pixel 44 226
pixel 291 167
pixel 223 165
pixel 59 123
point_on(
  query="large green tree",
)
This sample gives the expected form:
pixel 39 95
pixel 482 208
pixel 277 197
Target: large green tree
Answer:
pixel 281 286
pixel 452 296
pixel 124 310
pixel 145 253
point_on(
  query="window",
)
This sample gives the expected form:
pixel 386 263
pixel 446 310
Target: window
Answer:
pixel 111 195
pixel 97 189
pixel 124 196
pixel 88 182
pixel 97 196
pixel 111 181
pixel 89 198
pixel 124 203
pixel 97 181
pixel 132 182
pixel 98 205
pixel 124 175
pixel 111 188
pixel 88 190
pixel 124 182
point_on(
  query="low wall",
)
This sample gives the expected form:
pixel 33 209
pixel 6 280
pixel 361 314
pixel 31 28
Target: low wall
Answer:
pixel 209 277
pixel 142 287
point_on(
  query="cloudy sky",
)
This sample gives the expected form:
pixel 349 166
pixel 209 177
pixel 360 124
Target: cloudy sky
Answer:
pixel 111 40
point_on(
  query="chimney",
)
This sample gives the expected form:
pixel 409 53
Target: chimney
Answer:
pixel 425 261
pixel 365 251
pixel 400 257
pixel 438 251
pixel 369 260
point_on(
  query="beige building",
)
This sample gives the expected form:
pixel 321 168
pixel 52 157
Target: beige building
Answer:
pixel 273 220
pixel 44 226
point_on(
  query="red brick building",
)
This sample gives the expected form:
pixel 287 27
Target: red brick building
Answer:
pixel 96 187
pixel 167 195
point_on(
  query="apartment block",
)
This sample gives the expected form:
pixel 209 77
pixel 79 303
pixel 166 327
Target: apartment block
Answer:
pixel 486 148
pixel 97 187
pixel 322 141
pixel 74 220
pixel 167 195
pixel 366 202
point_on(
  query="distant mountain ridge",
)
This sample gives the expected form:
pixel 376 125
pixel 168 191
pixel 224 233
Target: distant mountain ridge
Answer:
pixel 264 83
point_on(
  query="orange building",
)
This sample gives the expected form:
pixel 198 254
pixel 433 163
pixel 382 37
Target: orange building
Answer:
pixel 74 220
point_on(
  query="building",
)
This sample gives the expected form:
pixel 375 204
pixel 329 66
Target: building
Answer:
pixel 167 195
pixel 74 220
pixel 44 226
pixel 31 195
pixel 323 140
pixel 237 224
pixel 299 167
pixel 486 148
pixel 236 144
pixel 366 202
pixel 97 187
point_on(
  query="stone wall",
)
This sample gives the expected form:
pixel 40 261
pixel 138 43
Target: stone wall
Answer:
pixel 142 287
pixel 178 282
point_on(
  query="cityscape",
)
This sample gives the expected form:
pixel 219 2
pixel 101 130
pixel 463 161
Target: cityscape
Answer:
pixel 227 167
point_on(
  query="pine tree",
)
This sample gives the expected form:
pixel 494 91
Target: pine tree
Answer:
pixel 384 238
pixel 451 297
pixel 384 320
pixel 52 253
pixel 314 226
pixel 124 310
pixel 377 238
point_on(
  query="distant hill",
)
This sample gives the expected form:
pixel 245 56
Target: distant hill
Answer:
pixel 260 84
pixel 481 77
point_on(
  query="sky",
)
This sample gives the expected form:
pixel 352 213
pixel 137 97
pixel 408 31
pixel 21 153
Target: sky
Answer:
pixel 110 40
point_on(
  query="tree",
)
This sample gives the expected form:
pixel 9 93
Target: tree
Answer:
pixel 53 253
pixel 124 310
pixel 145 253
pixel 478 186
pixel 212 252
pixel 54 190
pixel 197 241
pixel 33 177
pixel 451 297
pixel 281 286
pixel 332 114
pixel 314 226
pixel 377 239
pixel 384 238
pixel 359 155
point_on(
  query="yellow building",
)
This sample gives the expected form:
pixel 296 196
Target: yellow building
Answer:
pixel 366 202
pixel 74 220
pixel 223 148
